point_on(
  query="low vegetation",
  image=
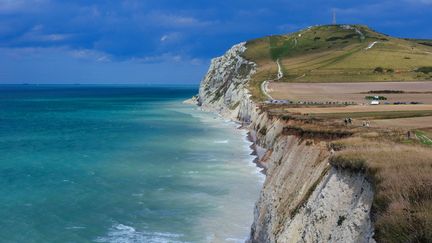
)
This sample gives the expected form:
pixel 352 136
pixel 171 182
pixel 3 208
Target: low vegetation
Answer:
pixel 386 92
pixel 337 53
pixel 378 97
pixel 425 70
pixel 375 115
pixel 424 137
pixel 398 164
pixel 316 132
pixel 401 175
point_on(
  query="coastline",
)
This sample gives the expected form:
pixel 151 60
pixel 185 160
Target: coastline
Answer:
pixel 258 151
pixel 303 197
pixel 249 164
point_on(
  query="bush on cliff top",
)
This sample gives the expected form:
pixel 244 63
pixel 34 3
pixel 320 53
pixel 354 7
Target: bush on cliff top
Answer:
pixel 401 176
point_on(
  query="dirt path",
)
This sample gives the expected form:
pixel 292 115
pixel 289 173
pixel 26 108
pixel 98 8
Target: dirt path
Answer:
pixel 280 73
pixel 264 89
pixel 371 45
pixel 265 84
pixel 362 108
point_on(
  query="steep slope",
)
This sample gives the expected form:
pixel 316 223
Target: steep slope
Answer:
pixel 339 53
pixel 300 187
pixel 326 182
pixel 223 88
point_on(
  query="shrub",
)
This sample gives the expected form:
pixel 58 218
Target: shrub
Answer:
pixel 426 43
pixel 378 70
pixel 386 91
pixel 350 161
pixel 340 220
pixel 334 38
pixel 373 97
pixel 350 36
pixel 263 131
pixel 425 70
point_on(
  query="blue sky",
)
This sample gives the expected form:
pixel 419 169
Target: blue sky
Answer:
pixel 166 41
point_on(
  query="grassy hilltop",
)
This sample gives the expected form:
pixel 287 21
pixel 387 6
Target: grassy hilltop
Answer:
pixel 395 151
pixel 340 53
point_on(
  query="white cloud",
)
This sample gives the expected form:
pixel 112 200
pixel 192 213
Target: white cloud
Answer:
pixel 171 37
pixel 169 58
pixel 37 34
pixel 427 2
pixel 165 57
pixel 382 8
pixel 12 6
pixel 87 54
pixel 171 20
pixel 43 52
pixel 164 38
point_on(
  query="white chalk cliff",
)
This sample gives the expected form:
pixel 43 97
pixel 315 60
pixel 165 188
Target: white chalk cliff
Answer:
pixel 303 199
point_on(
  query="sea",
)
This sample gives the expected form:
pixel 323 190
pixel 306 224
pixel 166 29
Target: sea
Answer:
pixel 82 163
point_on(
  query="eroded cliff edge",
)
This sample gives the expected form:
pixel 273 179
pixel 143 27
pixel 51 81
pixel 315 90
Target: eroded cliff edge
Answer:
pixel 303 199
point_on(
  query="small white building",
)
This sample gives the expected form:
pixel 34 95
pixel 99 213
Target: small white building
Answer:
pixel 375 102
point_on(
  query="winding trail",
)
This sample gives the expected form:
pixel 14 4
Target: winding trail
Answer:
pixel 280 73
pixel 349 27
pixel 371 45
pixel 264 85
pixel 264 89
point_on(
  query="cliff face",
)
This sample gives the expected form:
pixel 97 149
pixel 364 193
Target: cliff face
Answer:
pixel 303 198
pixel 224 87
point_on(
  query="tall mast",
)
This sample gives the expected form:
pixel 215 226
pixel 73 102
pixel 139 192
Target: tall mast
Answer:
pixel 334 17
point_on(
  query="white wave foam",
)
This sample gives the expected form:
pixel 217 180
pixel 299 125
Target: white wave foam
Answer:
pixel 221 141
pixel 235 240
pixel 75 227
pixel 121 233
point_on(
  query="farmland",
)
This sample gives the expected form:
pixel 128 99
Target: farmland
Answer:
pixel 406 92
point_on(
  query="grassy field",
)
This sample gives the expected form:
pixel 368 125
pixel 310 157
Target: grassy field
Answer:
pixel 424 137
pixel 407 92
pixel 318 110
pixel 398 165
pixel 407 123
pixel 401 175
pixel 376 115
pixel 335 53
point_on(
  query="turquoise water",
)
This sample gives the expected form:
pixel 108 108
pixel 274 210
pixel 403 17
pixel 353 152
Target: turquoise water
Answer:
pixel 120 164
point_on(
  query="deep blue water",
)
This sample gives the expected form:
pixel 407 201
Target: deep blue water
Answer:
pixel 120 164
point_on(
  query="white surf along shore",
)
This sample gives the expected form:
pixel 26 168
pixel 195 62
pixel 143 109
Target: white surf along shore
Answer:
pixel 303 198
pixel 243 181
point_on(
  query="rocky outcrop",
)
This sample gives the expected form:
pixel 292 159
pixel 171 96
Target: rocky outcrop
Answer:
pixel 303 198
pixel 223 89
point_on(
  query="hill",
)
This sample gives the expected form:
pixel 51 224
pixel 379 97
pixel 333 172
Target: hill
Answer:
pixel 308 130
pixel 340 53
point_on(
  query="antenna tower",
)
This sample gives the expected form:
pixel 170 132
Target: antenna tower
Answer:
pixel 334 17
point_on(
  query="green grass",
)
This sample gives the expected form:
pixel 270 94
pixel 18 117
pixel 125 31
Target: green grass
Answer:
pixel 423 137
pixel 425 70
pixel 334 54
pixel 375 115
